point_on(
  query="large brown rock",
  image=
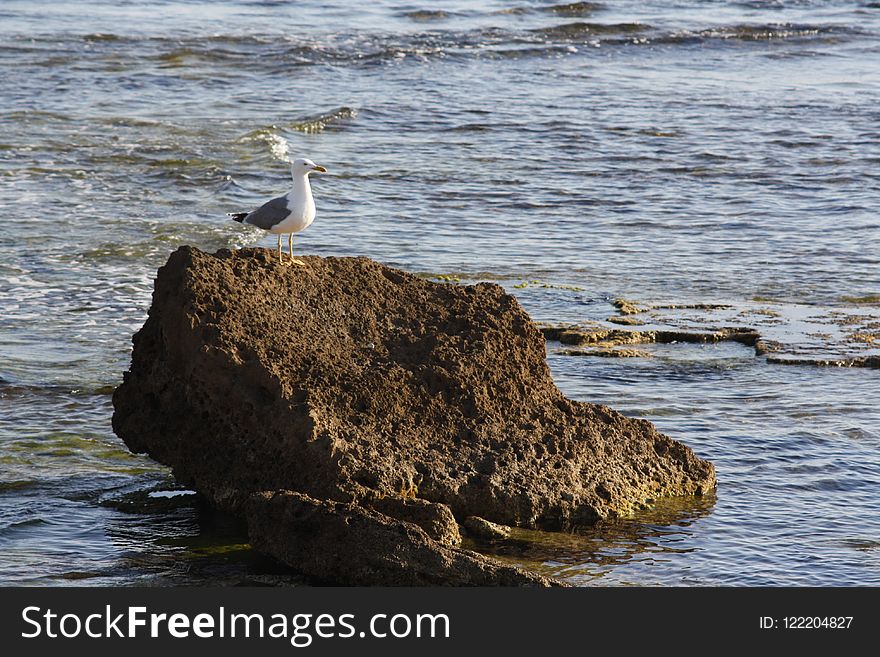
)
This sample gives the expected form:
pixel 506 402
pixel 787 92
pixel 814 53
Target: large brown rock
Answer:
pixel 352 382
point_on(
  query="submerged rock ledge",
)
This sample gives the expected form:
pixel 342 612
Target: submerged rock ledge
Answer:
pixel 604 342
pixel 354 414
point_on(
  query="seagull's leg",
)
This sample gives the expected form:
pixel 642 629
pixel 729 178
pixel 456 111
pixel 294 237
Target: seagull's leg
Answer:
pixel 293 261
pixel 280 259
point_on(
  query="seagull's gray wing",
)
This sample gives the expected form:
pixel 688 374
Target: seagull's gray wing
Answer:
pixel 269 214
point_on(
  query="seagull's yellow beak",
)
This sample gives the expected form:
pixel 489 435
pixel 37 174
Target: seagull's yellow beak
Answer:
pixel 319 169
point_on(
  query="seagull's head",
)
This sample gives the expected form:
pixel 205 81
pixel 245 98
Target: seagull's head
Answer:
pixel 304 166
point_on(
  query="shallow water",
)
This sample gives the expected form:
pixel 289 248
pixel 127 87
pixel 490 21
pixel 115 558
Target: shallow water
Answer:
pixel 703 152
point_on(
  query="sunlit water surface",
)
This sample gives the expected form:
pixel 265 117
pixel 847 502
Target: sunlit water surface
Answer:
pixel 669 153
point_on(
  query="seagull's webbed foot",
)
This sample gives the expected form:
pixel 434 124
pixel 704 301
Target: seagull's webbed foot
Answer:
pixel 293 261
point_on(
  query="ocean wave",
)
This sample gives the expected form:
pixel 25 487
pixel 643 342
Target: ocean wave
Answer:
pixel 765 32
pixel 259 52
pixel 15 524
pixel 310 124
pixel 324 120
pixel 426 15
pixel 274 138
pixel 574 9
pixel 101 36
pixel 580 29
pixel 278 145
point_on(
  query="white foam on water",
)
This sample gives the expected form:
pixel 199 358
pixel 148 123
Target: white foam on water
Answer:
pixel 278 146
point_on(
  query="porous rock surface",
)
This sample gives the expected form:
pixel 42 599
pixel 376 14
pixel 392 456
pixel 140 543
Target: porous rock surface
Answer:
pixel 482 528
pixel 351 383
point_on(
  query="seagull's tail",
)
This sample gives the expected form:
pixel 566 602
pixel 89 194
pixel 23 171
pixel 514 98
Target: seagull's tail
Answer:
pixel 238 216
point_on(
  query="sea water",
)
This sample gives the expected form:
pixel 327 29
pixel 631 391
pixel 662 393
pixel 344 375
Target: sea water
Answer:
pixel 723 155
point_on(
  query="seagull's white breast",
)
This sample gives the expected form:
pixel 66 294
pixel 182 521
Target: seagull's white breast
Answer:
pixel 301 206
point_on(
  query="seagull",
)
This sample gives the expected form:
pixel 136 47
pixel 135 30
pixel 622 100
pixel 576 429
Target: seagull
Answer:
pixel 291 213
